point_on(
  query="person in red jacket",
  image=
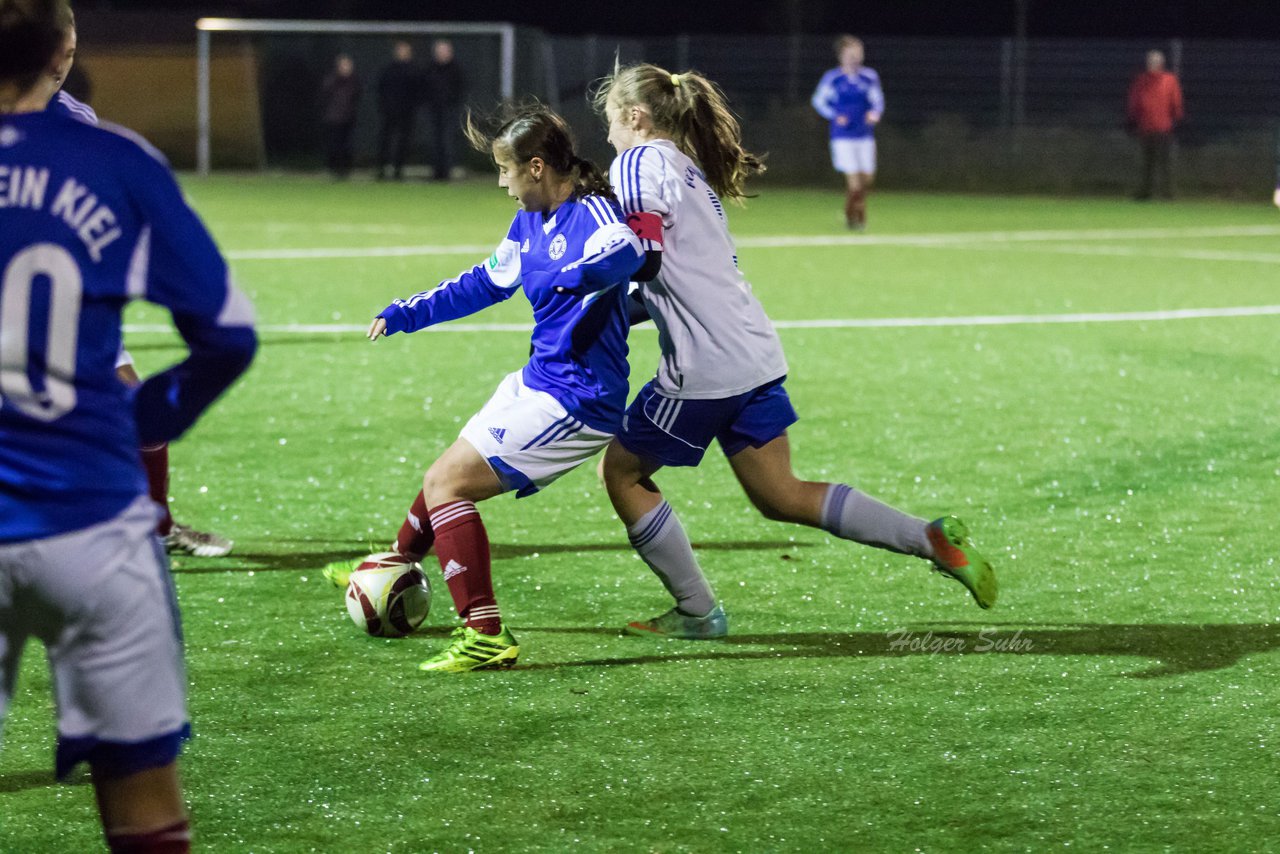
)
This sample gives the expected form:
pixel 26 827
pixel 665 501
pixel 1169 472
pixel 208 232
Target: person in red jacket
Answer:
pixel 1155 108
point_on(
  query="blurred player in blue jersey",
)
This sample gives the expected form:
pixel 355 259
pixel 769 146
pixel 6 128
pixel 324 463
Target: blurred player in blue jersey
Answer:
pixel 178 538
pixel 572 254
pixel 91 218
pixel 849 97
pixel 722 367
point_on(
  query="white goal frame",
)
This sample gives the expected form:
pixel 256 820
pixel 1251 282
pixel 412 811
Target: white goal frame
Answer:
pixel 206 26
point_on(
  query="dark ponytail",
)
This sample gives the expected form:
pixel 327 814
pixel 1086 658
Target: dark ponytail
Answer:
pixel 588 179
pixel 531 129
pixel 31 34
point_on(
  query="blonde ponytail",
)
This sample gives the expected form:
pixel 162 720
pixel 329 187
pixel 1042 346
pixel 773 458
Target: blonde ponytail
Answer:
pixel 695 113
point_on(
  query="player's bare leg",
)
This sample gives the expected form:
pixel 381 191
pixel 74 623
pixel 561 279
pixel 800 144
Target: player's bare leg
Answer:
pixel 767 477
pixel 452 486
pixel 629 482
pixel 658 537
pixel 178 538
pixel 143 811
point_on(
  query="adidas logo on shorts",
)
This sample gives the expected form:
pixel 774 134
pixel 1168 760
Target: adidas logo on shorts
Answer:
pixel 498 433
pixel 452 568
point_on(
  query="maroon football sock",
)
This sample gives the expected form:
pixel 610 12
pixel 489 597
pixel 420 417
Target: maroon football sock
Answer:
pixel 860 207
pixel 416 537
pixel 174 839
pixel 156 461
pixel 462 547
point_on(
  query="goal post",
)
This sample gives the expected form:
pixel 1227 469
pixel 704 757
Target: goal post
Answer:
pixel 206 27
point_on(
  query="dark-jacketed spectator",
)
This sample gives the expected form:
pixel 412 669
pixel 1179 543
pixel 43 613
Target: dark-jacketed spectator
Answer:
pixel 341 93
pixel 446 89
pixel 400 88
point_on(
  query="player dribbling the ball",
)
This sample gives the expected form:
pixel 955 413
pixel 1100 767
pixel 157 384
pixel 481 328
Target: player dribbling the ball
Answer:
pixel 572 254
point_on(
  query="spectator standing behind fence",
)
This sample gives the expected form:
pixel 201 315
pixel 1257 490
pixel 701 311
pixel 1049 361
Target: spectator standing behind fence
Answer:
pixel 1155 108
pixel 849 97
pixel 399 92
pixel 341 93
pixel 446 86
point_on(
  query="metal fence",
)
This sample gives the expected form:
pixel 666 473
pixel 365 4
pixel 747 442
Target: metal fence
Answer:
pixel 1043 115
pixel 1040 115
pixel 1228 85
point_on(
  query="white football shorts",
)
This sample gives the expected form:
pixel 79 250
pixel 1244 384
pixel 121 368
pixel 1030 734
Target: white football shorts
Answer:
pixel 852 156
pixel 528 438
pixel 123 358
pixel 101 600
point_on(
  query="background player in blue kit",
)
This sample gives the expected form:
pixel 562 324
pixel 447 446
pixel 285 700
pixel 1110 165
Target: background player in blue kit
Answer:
pixel 849 97
pixel 178 538
pixel 91 219
pixel 722 367
pixel 570 251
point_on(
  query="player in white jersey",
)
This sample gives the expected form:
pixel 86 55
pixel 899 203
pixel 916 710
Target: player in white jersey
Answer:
pixel 721 370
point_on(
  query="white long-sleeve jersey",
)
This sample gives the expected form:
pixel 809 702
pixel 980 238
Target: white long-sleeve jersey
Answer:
pixel 715 337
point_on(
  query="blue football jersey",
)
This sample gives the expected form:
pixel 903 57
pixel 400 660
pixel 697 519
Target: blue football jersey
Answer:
pixel 90 218
pixel 65 105
pixel 574 266
pixel 849 97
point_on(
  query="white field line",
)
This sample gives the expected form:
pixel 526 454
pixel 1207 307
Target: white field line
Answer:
pixel 1127 252
pixel 833 323
pixel 801 241
pixel 355 252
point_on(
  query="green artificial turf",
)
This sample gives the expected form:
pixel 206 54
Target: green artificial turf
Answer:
pixel 1123 477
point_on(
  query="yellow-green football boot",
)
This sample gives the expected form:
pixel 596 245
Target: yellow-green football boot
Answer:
pixel 471 650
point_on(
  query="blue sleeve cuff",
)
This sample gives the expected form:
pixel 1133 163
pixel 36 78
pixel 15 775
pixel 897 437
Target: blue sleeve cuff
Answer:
pixel 396 319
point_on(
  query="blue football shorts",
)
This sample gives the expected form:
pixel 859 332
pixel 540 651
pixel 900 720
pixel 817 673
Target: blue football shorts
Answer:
pixel 677 432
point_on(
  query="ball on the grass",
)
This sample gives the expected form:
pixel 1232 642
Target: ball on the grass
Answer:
pixel 388 595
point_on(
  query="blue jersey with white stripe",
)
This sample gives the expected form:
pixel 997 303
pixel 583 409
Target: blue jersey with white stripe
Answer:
pixel 573 265
pixel 90 218
pixel 64 104
pixel 845 99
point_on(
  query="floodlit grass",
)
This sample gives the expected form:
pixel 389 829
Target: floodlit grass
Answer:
pixel 1122 475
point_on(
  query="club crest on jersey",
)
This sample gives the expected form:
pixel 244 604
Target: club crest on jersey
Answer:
pixel 557 247
pixel 498 433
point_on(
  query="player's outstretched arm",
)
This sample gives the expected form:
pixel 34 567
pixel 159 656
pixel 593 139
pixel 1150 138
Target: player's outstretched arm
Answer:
pixel 484 285
pixel 377 329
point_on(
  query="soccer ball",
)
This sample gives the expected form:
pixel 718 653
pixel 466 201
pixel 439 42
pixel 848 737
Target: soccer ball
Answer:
pixel 388 595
